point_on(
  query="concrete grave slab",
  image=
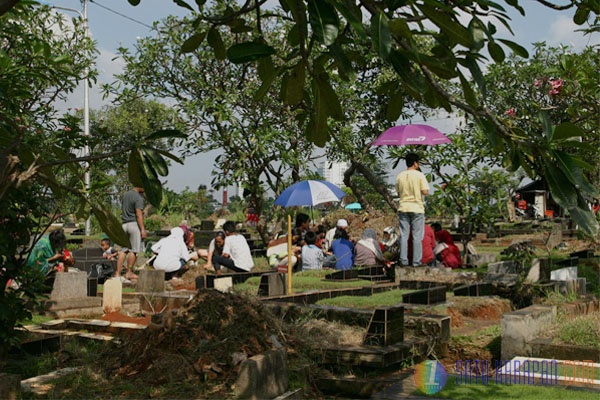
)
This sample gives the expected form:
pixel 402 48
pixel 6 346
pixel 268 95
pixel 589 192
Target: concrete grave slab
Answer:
pixel 273 284
pixel 69 285
pixel 520 327
pixel 504 267
pixel 564 274
pixel 264 376
pixel 481 259
pixel 112 296
pixel 150 281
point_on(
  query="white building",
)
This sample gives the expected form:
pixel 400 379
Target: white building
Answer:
pixel 333 172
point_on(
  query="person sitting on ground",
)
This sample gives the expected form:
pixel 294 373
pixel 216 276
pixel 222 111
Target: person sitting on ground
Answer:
pixel 391 244
pixel 330 235
pixel 108 251
pixel 49 255
pixel 277 251
pixel 312 256
pixel 320 232
pixel 172 254
pixel 446 251
pixel 427 244
pixel 303 223
pixel 215 247
pixel 236 252
pixel 188 236
pixel 343 251
pixel 367 251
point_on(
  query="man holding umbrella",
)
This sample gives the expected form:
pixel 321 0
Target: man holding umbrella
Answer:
pixel 411 185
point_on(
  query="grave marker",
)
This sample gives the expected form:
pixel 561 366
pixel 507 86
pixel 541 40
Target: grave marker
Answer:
pixel 112 295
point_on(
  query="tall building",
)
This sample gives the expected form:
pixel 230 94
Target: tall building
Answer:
pixel 333 172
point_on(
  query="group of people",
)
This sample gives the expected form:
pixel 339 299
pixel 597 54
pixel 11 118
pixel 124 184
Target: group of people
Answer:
pixel 416 245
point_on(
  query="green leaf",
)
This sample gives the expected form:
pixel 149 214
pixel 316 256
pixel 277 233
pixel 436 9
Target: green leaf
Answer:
pixel 151 184
pixel 342 62
pixel 515 4
pixel 248 51
pixel 516 48
pixel 193 42
pixel 324 21
pixel 294 89
pixel 156 160
pixel 477 31
pixel 562 190
pixel 166 134
pixel 454 30
pixel 395 106
pixel 572 171
pixel 266 68
pixel 134 170
pixel 496 52
pixel 328 97
pixel 567 130
pixel 468 92
pixel 165 153
pixel 353 15
pixel 380 35
pixel 267 77
pixel 183 4
pixel 581 15
pixel 399 28
pixel 216 43
pixel 134 2
pixel 546 125
pixel 585 220
pixel 473 66
pixel 317 130
pixel 111 225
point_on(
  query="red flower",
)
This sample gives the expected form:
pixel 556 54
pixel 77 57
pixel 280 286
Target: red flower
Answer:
pixel 557 85
pixel 67 129
pixel 510 112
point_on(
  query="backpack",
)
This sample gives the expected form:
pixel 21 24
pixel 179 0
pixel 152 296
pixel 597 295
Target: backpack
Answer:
pixel 101 271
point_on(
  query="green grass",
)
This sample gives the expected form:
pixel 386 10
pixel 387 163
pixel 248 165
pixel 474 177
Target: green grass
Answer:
pixel 303 282
pixel 37 319
pixel 581 331
pixel 382 299
pixel 585 371
pixel 493 391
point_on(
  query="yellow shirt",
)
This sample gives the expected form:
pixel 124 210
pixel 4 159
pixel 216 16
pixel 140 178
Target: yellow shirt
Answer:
pixel 409 185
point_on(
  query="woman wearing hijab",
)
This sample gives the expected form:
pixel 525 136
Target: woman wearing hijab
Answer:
pixel 172 253
pixel 446 251
pixel 391 244
pixel 367 251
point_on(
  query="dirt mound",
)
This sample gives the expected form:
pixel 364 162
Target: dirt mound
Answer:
pixel 485 308
pixel 205 340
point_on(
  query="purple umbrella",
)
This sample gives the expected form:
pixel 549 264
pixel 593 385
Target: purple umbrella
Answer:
pixel 402 135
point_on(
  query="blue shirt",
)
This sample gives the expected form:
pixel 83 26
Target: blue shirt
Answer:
pixel 344 253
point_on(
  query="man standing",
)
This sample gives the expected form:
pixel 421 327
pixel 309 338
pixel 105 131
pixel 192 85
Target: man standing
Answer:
pixel 236 252
pixel 132 216
pixel 411 185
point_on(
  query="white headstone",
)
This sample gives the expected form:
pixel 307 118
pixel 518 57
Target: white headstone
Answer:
pixel 224 284
pixel 112 295
pixel 564 274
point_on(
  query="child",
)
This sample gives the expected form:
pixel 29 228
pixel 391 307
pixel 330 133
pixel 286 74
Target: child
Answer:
pixel 108 252
pixel 312 256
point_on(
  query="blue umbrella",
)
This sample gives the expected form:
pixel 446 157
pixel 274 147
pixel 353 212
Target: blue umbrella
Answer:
pixel 309 193
pixel 353 206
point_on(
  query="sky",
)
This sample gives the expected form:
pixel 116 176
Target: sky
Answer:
pixel 116 23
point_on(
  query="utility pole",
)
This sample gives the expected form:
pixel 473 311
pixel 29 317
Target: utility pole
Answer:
pixel 86 106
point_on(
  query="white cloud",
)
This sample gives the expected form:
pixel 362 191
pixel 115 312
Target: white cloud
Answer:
pixel 564 31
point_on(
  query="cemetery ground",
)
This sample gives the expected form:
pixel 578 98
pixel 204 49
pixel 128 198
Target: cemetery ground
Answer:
pixel 193 353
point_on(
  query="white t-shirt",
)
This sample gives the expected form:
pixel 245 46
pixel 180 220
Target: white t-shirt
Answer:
pixel 239 251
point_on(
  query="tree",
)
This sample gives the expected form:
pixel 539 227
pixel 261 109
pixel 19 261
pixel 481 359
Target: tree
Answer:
pixel 317 38
pixel 260 140
pixel 38 147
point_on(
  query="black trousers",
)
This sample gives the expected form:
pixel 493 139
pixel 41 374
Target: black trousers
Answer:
pixel 220 261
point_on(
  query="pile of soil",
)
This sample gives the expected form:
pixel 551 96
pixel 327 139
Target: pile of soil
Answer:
pixel 206 340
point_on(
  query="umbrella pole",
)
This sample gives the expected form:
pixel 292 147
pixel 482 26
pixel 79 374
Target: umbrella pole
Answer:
pixel 289 277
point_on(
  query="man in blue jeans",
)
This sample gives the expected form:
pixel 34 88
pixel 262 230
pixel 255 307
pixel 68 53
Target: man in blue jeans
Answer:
pixel 411 185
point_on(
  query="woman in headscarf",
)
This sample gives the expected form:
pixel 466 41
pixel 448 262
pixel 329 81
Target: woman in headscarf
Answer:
pixel 391 244
pixel 367 251
pixel 446 251
pixel 172 253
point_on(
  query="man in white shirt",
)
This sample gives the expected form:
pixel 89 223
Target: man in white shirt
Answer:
pixel 236 252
